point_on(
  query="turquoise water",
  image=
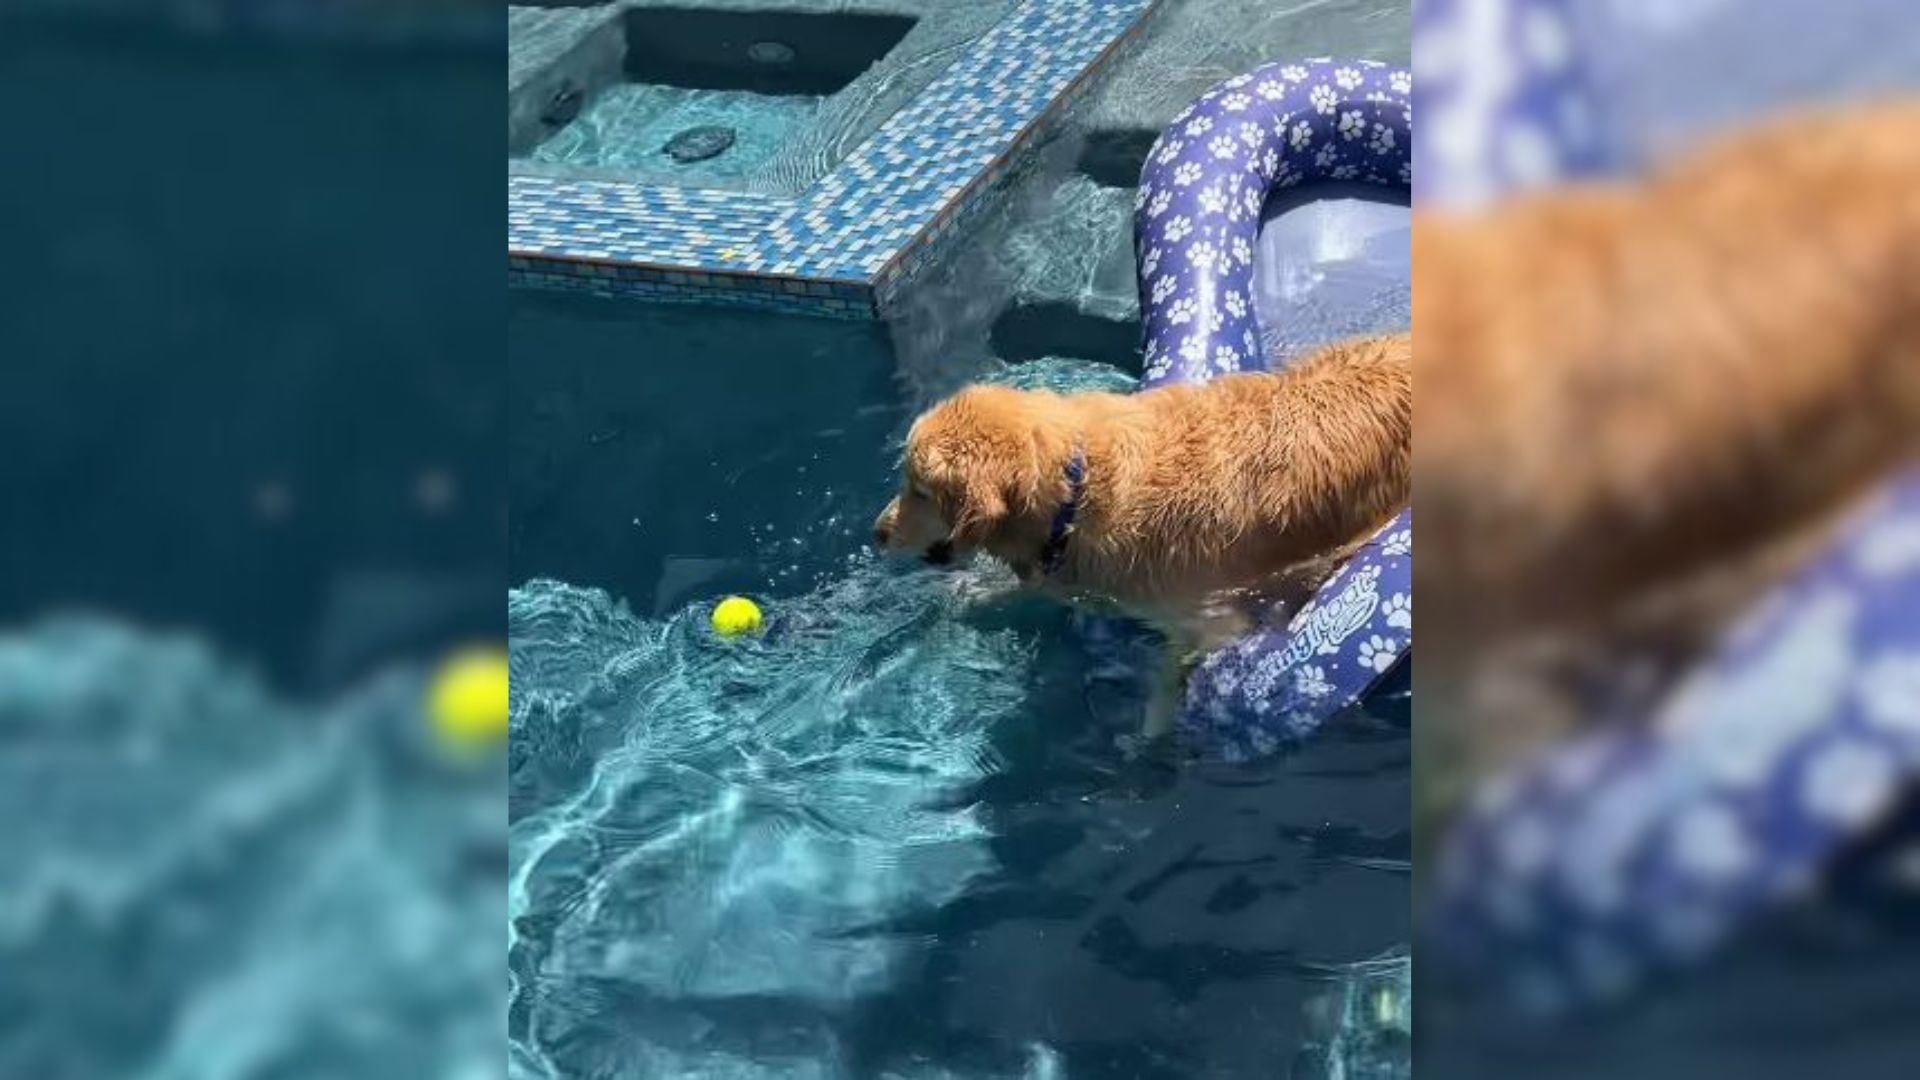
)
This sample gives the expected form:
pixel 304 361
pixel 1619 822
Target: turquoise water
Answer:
pixel 903 833
pixel 628 126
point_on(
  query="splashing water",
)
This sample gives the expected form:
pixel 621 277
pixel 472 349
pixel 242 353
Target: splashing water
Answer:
pixel 894 836
pixel 205 882
pixel 699 823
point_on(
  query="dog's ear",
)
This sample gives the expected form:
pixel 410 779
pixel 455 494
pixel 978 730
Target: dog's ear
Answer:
pixel 967 488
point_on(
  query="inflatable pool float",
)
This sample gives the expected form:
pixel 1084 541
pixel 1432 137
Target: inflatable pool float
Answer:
pixel 1641 848
pixel 1197 227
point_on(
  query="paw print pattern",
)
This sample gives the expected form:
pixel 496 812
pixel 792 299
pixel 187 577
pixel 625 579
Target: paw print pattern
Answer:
pixel 1378 653
pixel 1210 176
pixel 1207 180
pixel 1398 610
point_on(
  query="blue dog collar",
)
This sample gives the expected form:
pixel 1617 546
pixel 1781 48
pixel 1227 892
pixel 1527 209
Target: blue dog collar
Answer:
pixel 1055 552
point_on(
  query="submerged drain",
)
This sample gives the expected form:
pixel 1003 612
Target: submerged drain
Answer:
pixel 699 143
pixel 563 107
pixel 770 52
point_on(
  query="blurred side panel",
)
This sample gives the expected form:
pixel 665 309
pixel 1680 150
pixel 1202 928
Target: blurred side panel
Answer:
pixel 1668 460
pixel 251 494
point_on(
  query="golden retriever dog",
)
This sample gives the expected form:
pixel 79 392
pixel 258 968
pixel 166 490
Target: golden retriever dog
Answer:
pixel 1187 506
pixel 1642 402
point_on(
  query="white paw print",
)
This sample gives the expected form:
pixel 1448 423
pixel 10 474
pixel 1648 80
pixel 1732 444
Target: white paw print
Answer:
pixel 1311 682
pixel 1186 174
pixel 1199 125
pixel 1224 148
pixel 1181 313
pixel 1162 287
pixel 1203 255
pixel 1226 359
pixel 1890 550
pixel 1352 124
pixel 1158 365
pixel 1406 172
pixel 1398 609
pixel 1401 82
pixel 1269 91
pixel 1159 203
pixel 1294 73
pixel 1251 198
pixel 1344 172
pixel 1212 199
pixel 1235 302
pixel 1327 156
pixel 1169 149
pixel 1206 319
pixel 1250 134
pixel 1242 251
pixel 1849 783
pixel 1301 136
pixel 1140 197
pixel 1235 102
pixel 1378 653
pixel 1347 78
pixel 1324 99
pixel 1710 843
pixel 1383 141
pixel 1193 350
pixel 1270 161
pixel 1178 227
pixel 1889 692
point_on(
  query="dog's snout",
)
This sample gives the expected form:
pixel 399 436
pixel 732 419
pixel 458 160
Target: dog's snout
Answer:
pixel 881 534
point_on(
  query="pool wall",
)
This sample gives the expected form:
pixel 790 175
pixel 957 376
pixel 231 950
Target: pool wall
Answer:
pixel 848 244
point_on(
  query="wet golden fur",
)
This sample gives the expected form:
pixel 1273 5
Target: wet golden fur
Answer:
pixel 1196 497
pixel 1641 403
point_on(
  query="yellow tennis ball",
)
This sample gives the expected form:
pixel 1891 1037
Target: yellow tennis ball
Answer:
pixel 468 699
pixel 736 615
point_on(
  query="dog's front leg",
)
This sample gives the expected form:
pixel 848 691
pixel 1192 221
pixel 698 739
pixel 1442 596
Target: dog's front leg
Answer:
pixel 1189 638
pixel 1179 655
pixel 1164 697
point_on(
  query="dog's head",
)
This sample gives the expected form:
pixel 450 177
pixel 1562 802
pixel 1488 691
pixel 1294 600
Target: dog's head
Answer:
pixel 970 472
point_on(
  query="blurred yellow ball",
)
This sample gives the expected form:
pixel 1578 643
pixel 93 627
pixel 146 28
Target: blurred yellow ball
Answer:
pixel 736 615
pixel 468 700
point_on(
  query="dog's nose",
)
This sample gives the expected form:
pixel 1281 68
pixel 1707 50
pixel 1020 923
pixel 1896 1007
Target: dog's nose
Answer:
pixel 881 534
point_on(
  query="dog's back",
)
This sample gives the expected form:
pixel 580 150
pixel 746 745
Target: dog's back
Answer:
pixel 1250 475
pixel 1622 385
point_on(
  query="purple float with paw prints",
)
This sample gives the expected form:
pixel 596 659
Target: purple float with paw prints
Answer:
pixel 1196 228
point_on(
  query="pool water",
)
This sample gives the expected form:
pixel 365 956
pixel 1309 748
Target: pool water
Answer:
pixel 598 90
pixel 902 833
pixel 630 126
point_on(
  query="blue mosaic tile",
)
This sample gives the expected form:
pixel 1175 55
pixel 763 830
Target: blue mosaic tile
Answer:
pixel 842 241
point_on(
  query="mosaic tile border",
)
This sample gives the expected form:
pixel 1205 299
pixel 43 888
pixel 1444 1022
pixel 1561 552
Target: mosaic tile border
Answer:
pixel 850 241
